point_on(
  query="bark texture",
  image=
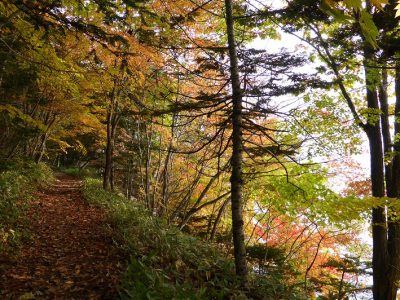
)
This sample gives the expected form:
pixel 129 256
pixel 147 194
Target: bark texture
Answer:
pixel 237 151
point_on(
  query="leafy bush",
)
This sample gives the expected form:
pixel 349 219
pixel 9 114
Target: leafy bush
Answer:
pixel 17 182
pixel 168 264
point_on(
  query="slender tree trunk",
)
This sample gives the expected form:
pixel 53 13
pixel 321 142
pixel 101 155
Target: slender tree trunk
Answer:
pixel 340 291
pixel 379 225
pixel 165 173
pixel 42 148
pixel 218 219
pixel 112 123
pixel 237 150
pixel 387 140
pixel 183 203
pixel 149 138
pixel 394 192
pixel 195 209
pixel 141 127
pixel 379 231
pixel 195 206
pixel 114 126
pixel 109 151
pixel 157 176
pixel 165 181
pixel 129 180
pixel 112 177
pixel 13 150
pixel 43 140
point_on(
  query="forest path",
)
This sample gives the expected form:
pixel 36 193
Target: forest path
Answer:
pixel 70 255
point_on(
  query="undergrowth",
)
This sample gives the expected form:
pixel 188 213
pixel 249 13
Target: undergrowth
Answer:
pixel 18 180
pixel 81 173
pixel 168 264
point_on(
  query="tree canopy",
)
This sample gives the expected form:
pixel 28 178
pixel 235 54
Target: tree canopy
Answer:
pixel 179 106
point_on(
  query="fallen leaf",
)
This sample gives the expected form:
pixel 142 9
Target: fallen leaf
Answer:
pixel 27 296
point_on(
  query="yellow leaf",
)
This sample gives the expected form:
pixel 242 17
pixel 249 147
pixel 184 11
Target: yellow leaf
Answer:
pixel 356 4
pixel 397 8
pixel 27 296
pixel 379 3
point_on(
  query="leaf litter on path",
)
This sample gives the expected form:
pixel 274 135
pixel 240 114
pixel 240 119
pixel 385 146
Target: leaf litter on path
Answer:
pixel 70 254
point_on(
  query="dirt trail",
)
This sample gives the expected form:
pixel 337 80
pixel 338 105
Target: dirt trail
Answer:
pixel 70 255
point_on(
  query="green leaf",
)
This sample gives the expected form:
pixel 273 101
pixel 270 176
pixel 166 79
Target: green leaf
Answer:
pixel 328 8
pixel 369 29
pixel 372 115
pixel 15 112
pixel 353 4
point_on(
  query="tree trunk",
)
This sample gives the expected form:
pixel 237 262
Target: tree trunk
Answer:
pixel 109 151
pixel 237 150
pixel 112 122
pixel 184 202
pixel 394 192
pixel 149 139
pixel 42 146
pixel 165 172
pixel 379 228
pixel 218 219
pixel 203 194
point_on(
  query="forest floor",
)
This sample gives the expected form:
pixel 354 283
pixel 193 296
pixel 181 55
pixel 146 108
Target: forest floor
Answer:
pixel 70 253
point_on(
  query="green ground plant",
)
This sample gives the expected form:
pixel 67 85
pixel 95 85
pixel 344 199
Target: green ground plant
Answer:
pixel 81 173
pixel 166 263
pixel 18 180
